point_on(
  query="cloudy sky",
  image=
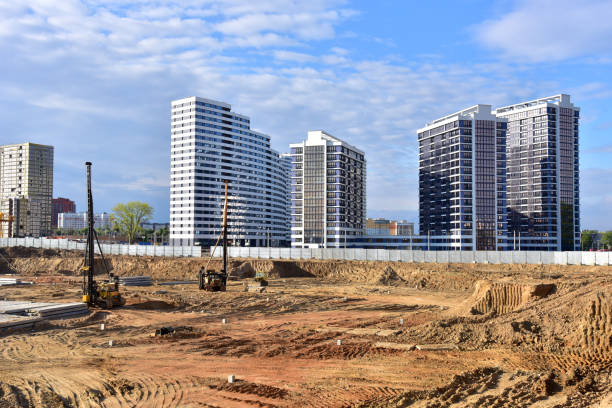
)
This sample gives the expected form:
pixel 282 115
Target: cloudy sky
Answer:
pixel 95 80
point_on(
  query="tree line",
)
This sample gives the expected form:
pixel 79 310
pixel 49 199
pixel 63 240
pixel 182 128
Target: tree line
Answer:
pixel 588 240
pixel 126 220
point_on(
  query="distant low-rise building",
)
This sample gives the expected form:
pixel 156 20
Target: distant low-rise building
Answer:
pixel 78 221
pixel 61 205
pixel 382 226
pixel 155 226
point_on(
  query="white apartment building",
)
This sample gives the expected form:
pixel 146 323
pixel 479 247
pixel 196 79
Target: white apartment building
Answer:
pixel 328 192
pixel 78 221
pixel 210 144
pixel 543 184
pixel 26 189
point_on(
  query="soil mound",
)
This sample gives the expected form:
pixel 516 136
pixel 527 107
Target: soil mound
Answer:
pixel 595 330
pixel 242 271
pixel 388 276
pixel 500 298
pixel 288 270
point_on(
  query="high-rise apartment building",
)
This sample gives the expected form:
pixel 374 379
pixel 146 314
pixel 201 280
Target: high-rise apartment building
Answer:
pixel 285 164
pixel 61 205
pixel 209 144
pixel 462 180
pixel 543 175
pixel 328 201
pixel 26 188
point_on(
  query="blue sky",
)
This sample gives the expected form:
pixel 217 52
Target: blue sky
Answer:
pixel 95 79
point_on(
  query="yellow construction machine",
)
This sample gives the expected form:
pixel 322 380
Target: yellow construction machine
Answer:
pixel 105 293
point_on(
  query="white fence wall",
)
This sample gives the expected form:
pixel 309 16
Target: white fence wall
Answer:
pixel 478 257
pixel 107 249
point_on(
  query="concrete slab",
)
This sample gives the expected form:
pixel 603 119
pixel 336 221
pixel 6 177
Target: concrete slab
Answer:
pixel 394 346
pixel 436 347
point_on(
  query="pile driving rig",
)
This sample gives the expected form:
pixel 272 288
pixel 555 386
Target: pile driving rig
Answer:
pixel 214 281
pixel 105 293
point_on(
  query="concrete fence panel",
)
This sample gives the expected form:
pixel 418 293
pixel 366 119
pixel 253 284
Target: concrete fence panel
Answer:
pixel 494 257
pixel 560 258
pixel 519 257
pixel 285 253
pixel 574 258
pixel 467 256
pixel 406 256
pixel 533 257
pixel 454 257
pixel 481 257
pixel 442 256
pixel 547 258
pixel 505 257
pixel 360 254
pixel 337 253
pixel 418 256
pixel 602 258
pixel 588 258
pixel 327 253
pixel 295 253
pixel 371 255
pixel 274 253
pixel 394 255
pixel 349 254
pixel 317 253
pixel 382 255
pixel 429 256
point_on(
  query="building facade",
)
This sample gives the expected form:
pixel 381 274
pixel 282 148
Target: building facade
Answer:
pixel 462 180
pixel 209 144
pixel 26 189
pixel 61 205
pixel 328 199
pixel 381 226
pixel 543 186
pixel 78 221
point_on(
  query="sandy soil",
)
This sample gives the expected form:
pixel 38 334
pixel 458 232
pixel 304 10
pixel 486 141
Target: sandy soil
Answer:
pixel 411 336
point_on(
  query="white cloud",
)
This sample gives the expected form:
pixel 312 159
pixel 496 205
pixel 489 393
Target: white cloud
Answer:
pixel 551 30
pixel 95 79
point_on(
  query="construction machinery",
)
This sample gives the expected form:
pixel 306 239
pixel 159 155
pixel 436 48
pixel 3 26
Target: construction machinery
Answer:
pixel 8 219
pixel 104 293
pixel 215 281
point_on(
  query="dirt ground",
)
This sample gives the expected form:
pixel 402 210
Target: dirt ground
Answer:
pixel 324 334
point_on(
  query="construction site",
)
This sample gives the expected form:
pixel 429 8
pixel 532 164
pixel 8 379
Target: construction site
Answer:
pixel 320 334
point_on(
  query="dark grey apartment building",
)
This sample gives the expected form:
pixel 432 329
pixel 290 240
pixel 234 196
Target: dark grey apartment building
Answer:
pixel 543 174
pixel 462 180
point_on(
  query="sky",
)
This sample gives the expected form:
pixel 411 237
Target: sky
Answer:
pixel 95 80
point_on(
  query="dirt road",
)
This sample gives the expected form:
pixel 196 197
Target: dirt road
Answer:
pixel 502 338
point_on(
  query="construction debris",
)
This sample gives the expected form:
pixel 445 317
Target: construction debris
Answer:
pixel 18 314
pixel 394 346
pixel 184 282
pixel 13 282
pixel 15 322
pixel 135 281
pixel 59 311
pixel 436 347
pixel 164 331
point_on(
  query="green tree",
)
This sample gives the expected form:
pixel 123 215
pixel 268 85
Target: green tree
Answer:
pixel 128 217
pixel 606 239
pixel 587 239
